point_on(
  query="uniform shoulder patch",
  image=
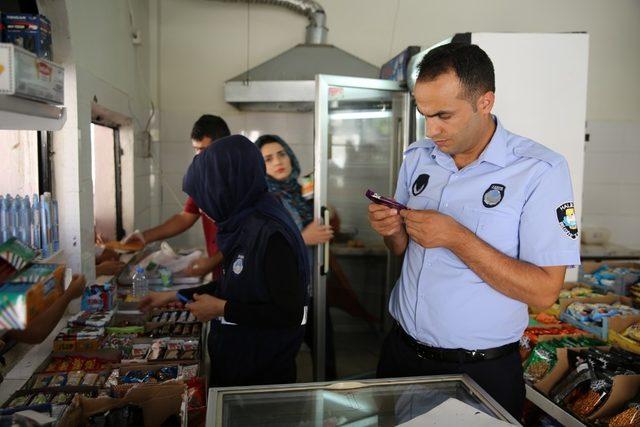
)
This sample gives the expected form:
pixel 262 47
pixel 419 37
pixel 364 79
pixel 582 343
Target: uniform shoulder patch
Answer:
pixel 566 214
pixel 238 265
pixel 537 151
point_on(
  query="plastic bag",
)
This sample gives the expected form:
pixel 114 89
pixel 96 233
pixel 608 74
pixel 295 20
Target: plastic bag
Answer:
pixel 541 361
pixel 166 257
pixel 628 417
pixel 595 396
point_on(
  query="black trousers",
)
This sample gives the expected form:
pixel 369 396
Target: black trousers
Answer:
pixel 501 378
pixel 243 355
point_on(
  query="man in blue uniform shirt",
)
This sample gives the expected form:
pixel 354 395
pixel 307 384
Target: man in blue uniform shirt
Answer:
pixel 490 229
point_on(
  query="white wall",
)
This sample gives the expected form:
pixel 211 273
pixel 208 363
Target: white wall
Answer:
pixel 92 39
pixel 202 43
pixel 612 184
pixel 19 154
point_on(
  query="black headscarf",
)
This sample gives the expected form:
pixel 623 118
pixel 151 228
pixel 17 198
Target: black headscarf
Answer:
pixel 227 181
pixel 289 190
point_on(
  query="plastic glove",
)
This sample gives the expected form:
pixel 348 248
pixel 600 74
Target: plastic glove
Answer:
pixel 136 236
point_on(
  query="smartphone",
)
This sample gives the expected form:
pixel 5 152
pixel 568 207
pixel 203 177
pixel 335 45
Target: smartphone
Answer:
pixel 183 299
pixel 386 201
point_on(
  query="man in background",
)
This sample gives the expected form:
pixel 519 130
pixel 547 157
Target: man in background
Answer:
pixel 206 130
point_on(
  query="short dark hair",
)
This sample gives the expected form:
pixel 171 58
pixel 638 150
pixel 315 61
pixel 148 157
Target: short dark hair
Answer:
pixel 471 64
pixel 209 125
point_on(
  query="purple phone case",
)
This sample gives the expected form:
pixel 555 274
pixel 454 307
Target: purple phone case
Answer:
pixel 386 201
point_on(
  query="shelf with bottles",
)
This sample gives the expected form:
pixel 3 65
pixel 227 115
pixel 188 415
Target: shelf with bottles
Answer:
pixel 33 220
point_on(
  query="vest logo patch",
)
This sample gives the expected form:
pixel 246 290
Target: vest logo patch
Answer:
pixel 238 264
pixel 420 184
pixel 567 218
pixel 493 195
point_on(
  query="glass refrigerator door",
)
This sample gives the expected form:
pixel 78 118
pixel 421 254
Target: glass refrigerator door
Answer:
pixel 359 128
pixel 387 402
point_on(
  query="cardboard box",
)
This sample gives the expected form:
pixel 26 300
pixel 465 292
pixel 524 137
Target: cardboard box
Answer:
pixel 621 285
pixel 601 332
pixel 625 388
pixel 20 303
pixel 559 371
pixel 526 353
pixel 28 76
pixel 617 326
pixel 158 402
pixel 30 32
pixel 554 311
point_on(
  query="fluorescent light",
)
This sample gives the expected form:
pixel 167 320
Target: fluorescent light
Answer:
pixel 357 115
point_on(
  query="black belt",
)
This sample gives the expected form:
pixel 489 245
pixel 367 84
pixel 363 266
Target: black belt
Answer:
pixel 456 355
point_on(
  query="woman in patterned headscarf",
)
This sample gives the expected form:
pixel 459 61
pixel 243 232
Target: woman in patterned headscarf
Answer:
pixel 283 171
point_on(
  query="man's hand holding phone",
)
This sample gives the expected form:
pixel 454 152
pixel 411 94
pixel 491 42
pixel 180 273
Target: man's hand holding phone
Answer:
pixel 384 215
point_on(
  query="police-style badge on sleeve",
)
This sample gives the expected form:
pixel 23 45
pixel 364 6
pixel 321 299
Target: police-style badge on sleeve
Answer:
pixel 238 265
pixel 493 195
pixel 567 219
pixel 420 184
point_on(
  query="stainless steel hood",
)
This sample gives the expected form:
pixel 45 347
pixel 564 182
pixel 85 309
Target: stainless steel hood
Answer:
pixel 287 82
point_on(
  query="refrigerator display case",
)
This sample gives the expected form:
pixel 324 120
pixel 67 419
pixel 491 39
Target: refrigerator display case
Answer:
pixel 380 402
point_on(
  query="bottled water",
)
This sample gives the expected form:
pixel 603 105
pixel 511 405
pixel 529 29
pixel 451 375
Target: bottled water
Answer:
pixel 35 214
pixel 140 284
pixel 24 217
pixel 4 219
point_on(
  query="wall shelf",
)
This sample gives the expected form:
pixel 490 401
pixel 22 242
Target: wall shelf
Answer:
pixel 31 91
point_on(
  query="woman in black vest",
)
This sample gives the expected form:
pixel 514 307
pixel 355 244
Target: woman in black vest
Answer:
pixel 258 305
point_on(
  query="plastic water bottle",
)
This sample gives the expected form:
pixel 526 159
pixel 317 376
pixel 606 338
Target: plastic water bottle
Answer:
pixel 55 231
pixel 24 213
pixel 13 215
pixel 37 230
pixel 4 220
pixel 45 224
pixel 140 284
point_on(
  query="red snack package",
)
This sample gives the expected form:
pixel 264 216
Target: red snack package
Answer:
pixel 76 363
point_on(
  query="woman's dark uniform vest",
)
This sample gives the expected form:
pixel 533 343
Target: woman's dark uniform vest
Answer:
pixel 241 354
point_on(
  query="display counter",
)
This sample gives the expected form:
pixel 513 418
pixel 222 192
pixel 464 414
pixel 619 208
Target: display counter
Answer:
pixel 454 399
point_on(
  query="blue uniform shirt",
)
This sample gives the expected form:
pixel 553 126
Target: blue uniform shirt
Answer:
pixel 517 197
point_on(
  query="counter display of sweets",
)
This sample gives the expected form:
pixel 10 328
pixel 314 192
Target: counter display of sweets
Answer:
pixel 151 360
pixel 34 221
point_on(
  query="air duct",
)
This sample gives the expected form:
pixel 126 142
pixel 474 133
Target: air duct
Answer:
pixel 287 82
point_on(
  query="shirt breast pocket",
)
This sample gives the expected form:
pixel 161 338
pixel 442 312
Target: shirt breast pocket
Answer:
pixel 422 203
pixel 497 228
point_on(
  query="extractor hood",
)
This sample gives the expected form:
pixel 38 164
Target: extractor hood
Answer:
pixel 287 82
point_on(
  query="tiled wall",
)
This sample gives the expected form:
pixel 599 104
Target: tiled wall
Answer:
pixel 612 180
